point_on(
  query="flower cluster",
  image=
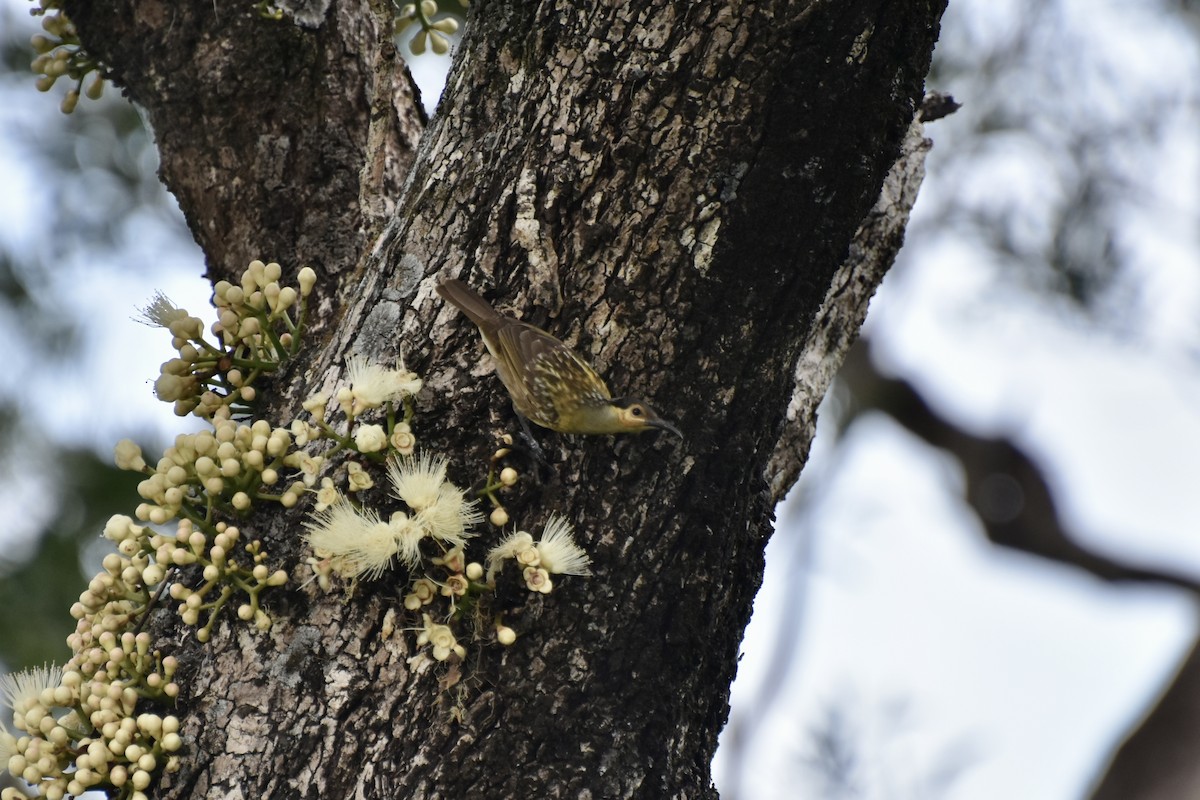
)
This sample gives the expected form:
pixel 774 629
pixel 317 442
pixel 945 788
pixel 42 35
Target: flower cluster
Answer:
pixel 258 327
pixel 59 54
pixel 498 479
pixel 226 468
pixel 369 387
pixel 429 536
pixel 354 543
pixel 83 723
pixel 554 554
pixel 122 593
pixel 81 727
pixel 433 33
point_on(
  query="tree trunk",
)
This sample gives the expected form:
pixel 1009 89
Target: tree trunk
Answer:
pixel 671 188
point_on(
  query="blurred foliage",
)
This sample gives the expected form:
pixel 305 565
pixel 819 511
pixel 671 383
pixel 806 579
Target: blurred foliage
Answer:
pixel 98 180
pixel 856 752
pixel 97 177
pixel 36 594
pixel 1062 142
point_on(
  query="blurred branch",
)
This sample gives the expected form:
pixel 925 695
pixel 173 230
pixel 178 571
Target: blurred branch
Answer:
pixel 1005 487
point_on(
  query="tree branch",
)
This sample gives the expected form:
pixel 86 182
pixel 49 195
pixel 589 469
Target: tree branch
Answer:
pixel 1004 485
pixel 279 142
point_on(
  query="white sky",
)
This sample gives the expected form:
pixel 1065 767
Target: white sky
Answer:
pixel 935 643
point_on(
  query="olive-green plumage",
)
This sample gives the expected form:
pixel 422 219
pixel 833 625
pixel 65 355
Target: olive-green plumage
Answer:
pixel 549 384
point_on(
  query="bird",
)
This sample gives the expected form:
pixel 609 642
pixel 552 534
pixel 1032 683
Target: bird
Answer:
pixel 550 385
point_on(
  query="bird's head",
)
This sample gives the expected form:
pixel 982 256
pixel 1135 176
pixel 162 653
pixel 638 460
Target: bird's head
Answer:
pixel 634 416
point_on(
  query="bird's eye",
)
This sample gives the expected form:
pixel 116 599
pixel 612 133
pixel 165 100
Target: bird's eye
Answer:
pixel 636 411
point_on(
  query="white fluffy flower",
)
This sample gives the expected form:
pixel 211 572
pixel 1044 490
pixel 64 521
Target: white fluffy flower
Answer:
pixel 372 385
pixel 559 553
pixel 22 690
pixel 357 543
pixel 417 481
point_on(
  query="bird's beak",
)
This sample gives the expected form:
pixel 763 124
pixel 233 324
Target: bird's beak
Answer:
pixel 662 424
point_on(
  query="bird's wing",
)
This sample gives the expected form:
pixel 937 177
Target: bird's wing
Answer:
pixel 521 344
pixel 537 361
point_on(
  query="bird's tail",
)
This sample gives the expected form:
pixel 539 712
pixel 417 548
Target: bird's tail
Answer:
pixel 470 302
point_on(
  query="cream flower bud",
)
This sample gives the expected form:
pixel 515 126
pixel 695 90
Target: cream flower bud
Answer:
pixel 315 405
pixel 129 456
pixel 370 438
pixel 358 478
pixel 307 278
pixel 456 586
pixel 537 579
pixel 403 441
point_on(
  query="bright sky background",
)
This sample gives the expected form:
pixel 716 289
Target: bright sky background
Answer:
pixel 939 648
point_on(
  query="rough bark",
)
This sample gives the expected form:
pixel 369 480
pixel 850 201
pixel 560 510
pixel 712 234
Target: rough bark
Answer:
pixel 671 188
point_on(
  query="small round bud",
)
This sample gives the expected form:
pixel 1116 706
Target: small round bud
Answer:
pixel 287 297
pixel 307 278
pixel 498 517
pixel 417 45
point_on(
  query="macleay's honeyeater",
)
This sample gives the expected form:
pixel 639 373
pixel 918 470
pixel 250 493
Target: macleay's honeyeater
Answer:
pixel 549 383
